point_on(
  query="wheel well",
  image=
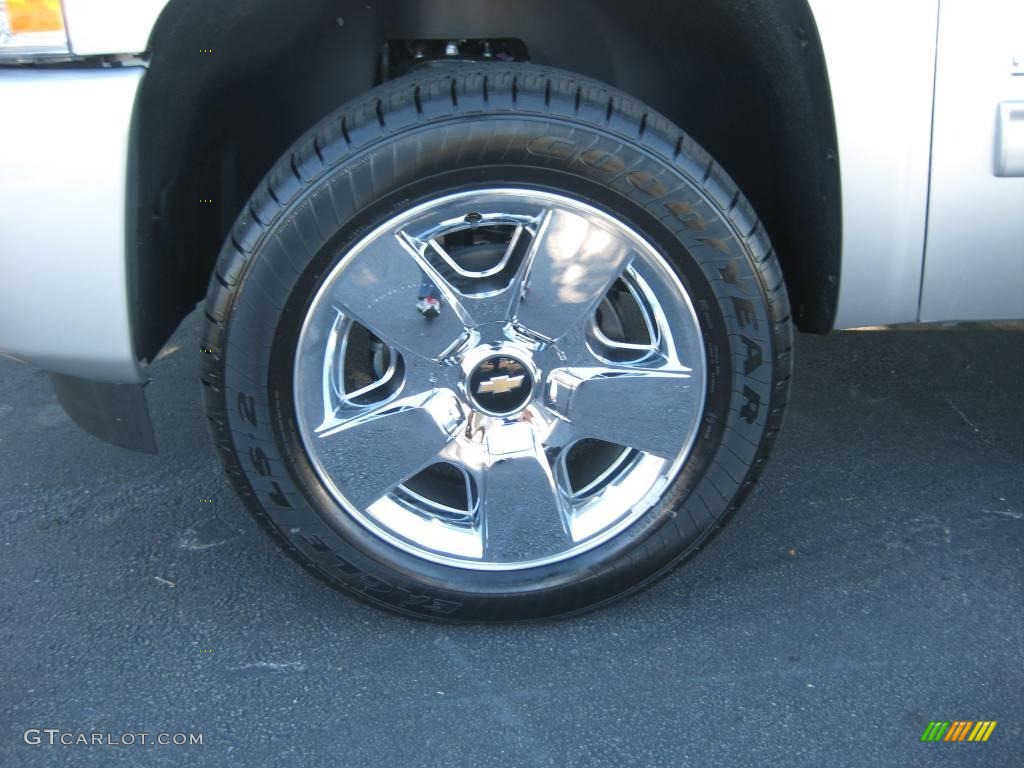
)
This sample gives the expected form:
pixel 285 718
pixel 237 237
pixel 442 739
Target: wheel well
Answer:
pixel 227 92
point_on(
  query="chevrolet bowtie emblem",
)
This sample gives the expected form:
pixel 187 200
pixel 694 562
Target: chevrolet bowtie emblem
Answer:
pixel 499 385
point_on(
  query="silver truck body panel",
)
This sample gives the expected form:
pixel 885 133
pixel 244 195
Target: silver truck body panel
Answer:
pixel 974 265
pixel 64 303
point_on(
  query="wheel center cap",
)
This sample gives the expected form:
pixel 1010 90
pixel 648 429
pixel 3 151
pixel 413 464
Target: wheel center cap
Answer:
pixel 499 385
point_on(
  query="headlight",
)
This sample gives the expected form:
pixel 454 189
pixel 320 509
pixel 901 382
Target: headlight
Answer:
pixel 31 29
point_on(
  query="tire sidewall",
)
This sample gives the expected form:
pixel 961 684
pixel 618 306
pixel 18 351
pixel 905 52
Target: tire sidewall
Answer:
pixel 646 191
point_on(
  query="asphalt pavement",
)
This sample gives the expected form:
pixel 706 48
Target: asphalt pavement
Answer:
pixel 871 584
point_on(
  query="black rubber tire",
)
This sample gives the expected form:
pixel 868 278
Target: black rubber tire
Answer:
pixel 436 131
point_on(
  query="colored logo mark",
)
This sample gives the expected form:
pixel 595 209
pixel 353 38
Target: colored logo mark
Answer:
pixel 959 730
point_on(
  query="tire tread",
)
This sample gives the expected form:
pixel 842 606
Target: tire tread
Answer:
pixel 459 90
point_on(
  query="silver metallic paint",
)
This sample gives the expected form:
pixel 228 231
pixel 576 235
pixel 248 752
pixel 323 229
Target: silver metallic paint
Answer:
pixel 880 57
pixel 974 266
pixel 111 26
pixel 63 278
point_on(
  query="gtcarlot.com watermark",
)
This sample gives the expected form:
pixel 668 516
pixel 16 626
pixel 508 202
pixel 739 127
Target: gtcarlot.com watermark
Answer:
pixel 55 737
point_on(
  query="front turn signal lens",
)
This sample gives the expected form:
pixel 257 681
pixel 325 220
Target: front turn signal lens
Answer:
pixel 26 16
pixel 31 28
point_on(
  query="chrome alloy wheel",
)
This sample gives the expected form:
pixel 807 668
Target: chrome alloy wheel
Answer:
pixel 499 379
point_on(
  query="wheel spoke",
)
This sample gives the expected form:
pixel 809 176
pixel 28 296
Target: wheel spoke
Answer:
pixel 382 285
pixel 524 513
pixel 369 454
pixel 645 409
pixel 572 263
